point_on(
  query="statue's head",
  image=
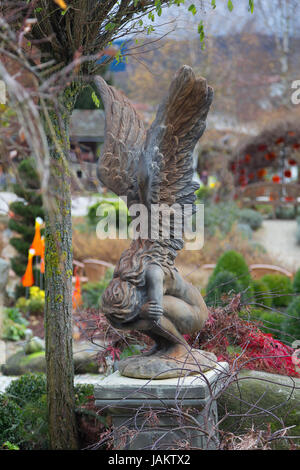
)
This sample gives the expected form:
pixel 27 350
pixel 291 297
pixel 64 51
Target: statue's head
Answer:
pixel 120 300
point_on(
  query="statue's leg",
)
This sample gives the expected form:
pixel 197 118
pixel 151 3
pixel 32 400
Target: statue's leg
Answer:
pixel 185 317
pixel 179 318
pixel 163 332
pixel 171 356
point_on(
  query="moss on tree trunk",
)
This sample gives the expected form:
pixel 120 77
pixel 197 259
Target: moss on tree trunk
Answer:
pixel 58 283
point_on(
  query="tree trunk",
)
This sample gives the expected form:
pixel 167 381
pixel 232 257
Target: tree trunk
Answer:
pixel 58 284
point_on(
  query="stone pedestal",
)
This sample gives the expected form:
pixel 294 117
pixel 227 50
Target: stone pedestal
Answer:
pixel 163 414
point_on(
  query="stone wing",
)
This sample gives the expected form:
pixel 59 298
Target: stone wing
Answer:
pixel 166 166
pixel 124 140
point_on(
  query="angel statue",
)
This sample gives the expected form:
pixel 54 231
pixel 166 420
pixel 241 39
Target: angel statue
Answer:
pixel 152 167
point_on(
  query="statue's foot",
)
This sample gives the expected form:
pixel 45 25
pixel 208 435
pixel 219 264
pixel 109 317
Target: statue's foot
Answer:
pixel 177 361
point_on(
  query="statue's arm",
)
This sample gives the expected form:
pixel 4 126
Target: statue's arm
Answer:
pixel 153 308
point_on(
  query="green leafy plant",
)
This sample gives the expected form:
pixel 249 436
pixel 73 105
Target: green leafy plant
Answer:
pixel 14 324
pixel 285 213
pixel 34 430
pixel 234 263
pixel 265 209
pixel 291 324
pixel 82 393
pixel 7 445
pixel 29 387
pixel 204 193
pixel 250 217
pixel 89 98
pixel 220 287
pixel 273 323
pixel 10 420
pixel 280 287
pixel 13 331
pixel 220 217
pixel 118 206
pixel 245 230
pixel 14 314
pixel 23 411
pixel 298 235
pixel 252 314
pixel 35 304
pixel 92 291
pixel 261 293
pixel 25 212
pixel 296 282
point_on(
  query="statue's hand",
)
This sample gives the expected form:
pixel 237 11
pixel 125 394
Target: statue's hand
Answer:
pixel 151 310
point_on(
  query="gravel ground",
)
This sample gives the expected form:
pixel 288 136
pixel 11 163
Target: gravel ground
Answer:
pixel 279 239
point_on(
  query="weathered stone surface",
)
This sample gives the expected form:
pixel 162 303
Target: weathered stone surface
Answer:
pixel 84 363
pixel 117 387
pixel 21 362
pixel 84 354
pixel 4 271
pixel 2 352
pixel 160 367
pixel 132 402
pixel 261 399
pixel 34 345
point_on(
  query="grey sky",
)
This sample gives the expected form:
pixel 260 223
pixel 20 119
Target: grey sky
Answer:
pixel 221 21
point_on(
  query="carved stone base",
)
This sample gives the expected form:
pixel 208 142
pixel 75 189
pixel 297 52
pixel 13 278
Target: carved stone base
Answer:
pixel 161 366
pixel 145 415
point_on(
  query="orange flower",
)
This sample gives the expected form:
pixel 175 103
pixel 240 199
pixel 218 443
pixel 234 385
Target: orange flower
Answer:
pixel 37 242
pixel 248 158
pixel 28 279
pixel 77 299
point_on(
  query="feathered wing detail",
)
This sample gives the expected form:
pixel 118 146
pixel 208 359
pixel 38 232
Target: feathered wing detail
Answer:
pixel 166 166
pixel 124 139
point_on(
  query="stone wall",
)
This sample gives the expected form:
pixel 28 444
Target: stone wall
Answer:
pixel 263 401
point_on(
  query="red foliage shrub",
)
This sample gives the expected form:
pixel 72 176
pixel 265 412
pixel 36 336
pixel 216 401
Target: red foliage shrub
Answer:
pixel 231 338
pixel 243 344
